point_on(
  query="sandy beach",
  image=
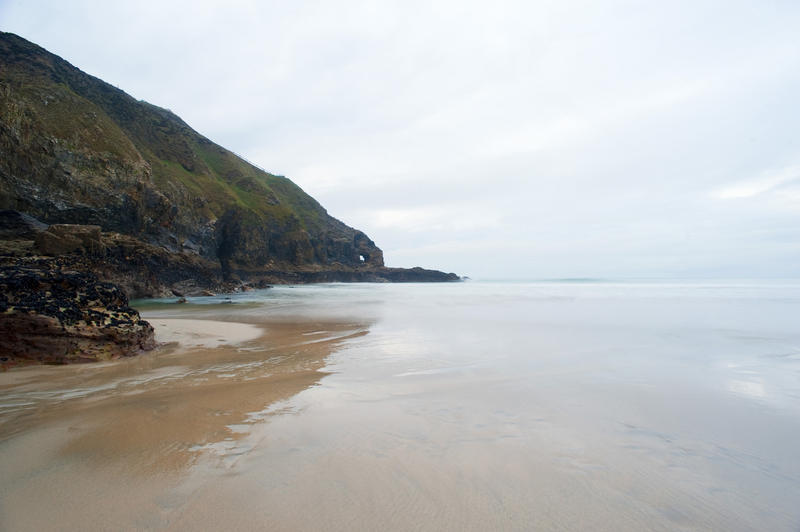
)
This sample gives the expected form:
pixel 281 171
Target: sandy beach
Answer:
pixel 203 333
pixel 455 407
pixel 125 435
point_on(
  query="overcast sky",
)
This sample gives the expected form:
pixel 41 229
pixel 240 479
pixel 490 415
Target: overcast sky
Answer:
pixel 497 139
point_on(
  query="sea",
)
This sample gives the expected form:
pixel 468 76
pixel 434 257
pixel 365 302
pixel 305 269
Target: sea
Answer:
pixel 570 404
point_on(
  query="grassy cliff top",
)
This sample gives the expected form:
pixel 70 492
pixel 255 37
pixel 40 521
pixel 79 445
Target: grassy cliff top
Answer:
pixel 99 118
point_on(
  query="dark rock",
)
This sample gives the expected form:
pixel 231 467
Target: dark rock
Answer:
pixel 417 275
pixel 53 316
pixel 366 250
pixel 19 226
pixel 261 284
pixel 68 238
pixel 51 244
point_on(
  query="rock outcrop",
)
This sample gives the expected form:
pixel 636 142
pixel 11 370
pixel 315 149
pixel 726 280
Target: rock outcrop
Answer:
pixel 145 270
pixel 53 316
pixel 59 239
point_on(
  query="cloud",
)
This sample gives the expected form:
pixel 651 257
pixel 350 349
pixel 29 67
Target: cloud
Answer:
pixel 539 138
pixel 442 218
pixel 769 181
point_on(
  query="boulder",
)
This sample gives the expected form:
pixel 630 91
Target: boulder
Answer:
pixel 60 239
pixel 51 316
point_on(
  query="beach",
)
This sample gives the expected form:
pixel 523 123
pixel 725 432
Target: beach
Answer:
pixel 122 436
pixel 456 407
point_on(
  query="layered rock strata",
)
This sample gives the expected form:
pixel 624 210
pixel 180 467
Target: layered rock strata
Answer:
pixel 145 270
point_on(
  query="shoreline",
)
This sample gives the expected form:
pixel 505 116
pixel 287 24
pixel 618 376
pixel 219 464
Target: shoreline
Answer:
pixel 158 420
pixel 199 332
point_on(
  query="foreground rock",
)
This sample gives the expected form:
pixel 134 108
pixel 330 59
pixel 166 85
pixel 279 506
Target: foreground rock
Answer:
pixel 52 316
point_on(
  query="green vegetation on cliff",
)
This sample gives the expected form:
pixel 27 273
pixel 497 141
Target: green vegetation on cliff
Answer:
pixel 75 149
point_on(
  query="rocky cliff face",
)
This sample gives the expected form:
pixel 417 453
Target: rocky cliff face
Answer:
pixel 74 149
pixel 145 270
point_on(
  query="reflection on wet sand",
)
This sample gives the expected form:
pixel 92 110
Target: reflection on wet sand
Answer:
pixel 144 422
pixel 466 407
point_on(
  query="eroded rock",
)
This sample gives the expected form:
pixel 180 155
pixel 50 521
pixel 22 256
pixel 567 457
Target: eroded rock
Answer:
pixel 51 316
pixel 68 238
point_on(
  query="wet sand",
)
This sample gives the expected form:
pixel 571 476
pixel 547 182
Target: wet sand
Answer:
pixel 114 446
pixel 204 333
pixel 458 407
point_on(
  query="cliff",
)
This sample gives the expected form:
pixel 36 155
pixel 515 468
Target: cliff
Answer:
pixel 76 150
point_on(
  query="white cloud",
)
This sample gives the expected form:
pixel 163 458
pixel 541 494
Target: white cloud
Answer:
pixel 442 218
pixel 567 138
pixel 767 182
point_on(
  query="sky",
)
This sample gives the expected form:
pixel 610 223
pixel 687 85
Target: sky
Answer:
pixel 532 139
